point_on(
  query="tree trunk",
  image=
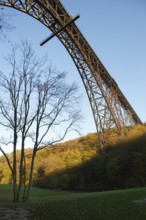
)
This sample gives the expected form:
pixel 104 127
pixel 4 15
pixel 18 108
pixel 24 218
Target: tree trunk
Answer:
pixel 30 176
pixel 21 171
pixel 15 168
pixel 24 181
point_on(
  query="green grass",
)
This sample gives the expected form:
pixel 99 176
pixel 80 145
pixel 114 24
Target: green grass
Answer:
pixel 53 205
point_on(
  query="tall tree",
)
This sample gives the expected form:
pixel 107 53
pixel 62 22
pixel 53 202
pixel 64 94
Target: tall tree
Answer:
pixel 37 106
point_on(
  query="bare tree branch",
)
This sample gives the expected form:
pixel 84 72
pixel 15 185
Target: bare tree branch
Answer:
pixel 5 23
pixel 8 161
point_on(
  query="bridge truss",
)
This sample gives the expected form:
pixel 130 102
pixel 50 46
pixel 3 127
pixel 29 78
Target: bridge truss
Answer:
pixel 109 106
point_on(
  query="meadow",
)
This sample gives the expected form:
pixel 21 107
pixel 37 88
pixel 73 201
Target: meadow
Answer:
pixel 60 205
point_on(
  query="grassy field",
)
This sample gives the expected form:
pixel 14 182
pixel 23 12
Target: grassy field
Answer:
pixel 53 205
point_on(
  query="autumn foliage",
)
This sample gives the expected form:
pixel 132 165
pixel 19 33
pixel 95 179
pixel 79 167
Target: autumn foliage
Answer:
pixel 79 165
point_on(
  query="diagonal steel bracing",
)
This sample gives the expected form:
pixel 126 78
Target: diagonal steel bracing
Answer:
pixel 109 105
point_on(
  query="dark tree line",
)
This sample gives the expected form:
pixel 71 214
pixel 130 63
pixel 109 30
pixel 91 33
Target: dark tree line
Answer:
pixel 123 166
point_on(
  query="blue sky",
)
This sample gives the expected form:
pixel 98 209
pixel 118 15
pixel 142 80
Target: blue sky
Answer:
pixel 115 29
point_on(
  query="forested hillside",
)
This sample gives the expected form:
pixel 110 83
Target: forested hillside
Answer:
pixel 79 165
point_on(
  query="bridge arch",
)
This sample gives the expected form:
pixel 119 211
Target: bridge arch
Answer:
pixel 109 106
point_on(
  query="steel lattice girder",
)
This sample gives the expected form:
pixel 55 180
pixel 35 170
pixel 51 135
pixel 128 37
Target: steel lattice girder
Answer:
pixel 109 105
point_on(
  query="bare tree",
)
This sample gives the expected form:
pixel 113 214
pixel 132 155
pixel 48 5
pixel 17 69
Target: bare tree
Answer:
pixel 36 105
pixel 5 23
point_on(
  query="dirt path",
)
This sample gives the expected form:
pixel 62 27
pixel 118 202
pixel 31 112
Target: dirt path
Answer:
pixel 14 214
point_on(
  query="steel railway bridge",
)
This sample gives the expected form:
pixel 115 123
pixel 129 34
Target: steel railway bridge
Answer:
pixel 109 106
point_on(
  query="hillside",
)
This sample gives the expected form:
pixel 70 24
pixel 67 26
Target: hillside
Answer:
pixel 79 165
